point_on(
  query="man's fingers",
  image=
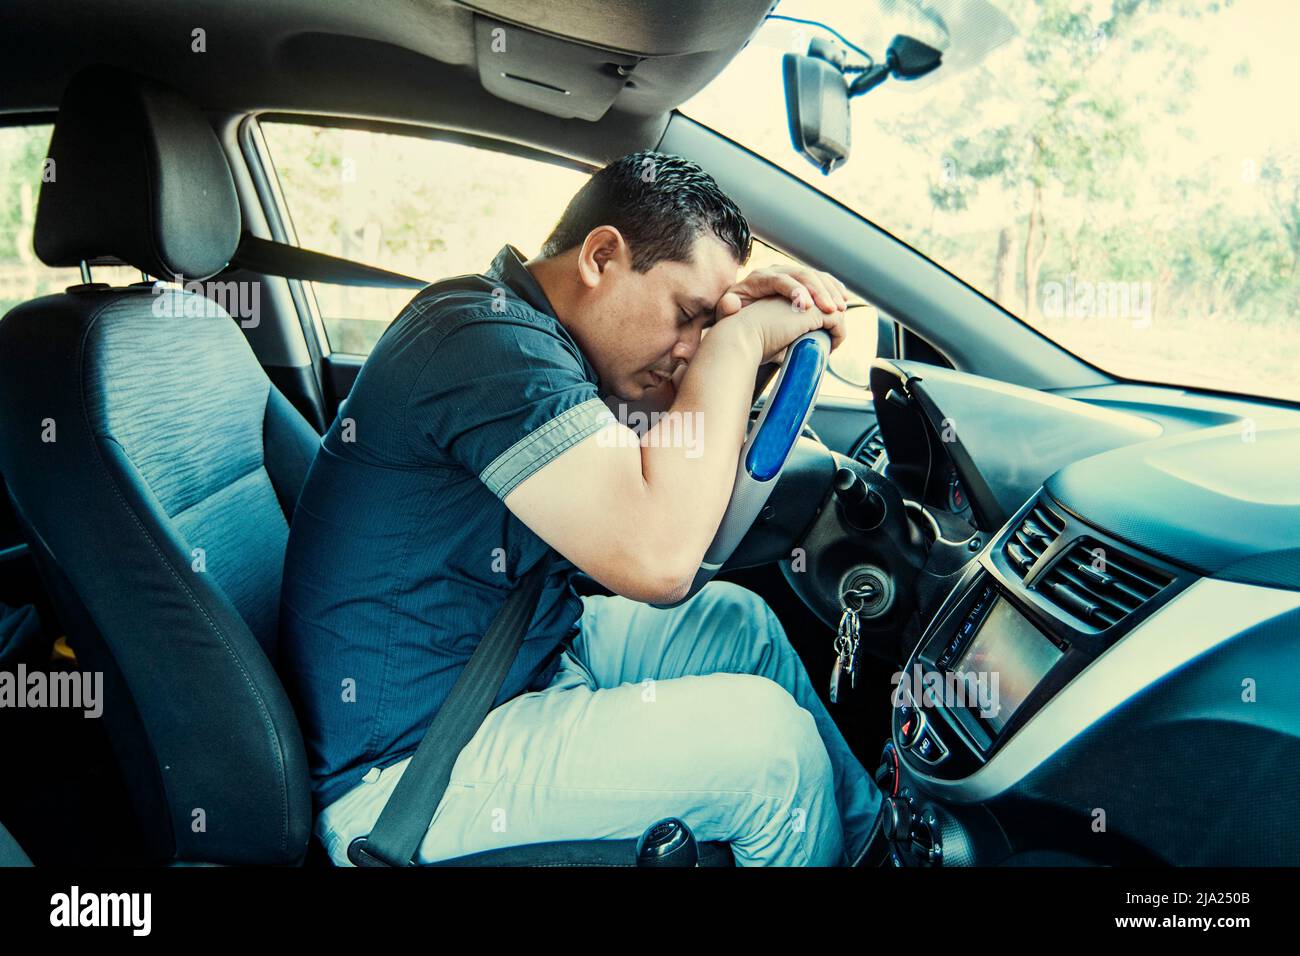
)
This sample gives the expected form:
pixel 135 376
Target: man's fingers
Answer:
pixel 834 324
pixel 844 293
pixel 836 327
pixel 792 283
pixel 817 283
pixel 829 294
pixel 836 295
pixel 786 286
pixel 765 283
pixel 838 291
pixel 833 291
pixel 729 304
pixel 802 288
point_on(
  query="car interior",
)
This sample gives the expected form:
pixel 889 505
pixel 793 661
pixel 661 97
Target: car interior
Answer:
pixel 1123 554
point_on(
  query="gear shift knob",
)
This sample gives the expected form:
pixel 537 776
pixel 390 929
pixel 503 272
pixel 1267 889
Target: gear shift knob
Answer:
pixel 669 842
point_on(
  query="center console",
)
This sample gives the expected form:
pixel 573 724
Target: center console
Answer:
pixel 984 669
pixel 1045 599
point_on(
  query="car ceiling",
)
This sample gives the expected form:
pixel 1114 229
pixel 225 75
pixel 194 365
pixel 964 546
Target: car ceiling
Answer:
pixel 418 61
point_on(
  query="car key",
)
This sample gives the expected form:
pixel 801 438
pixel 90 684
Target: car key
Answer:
pixel 843 644
pixel 853 650
pixel 850 632
pixel 846 640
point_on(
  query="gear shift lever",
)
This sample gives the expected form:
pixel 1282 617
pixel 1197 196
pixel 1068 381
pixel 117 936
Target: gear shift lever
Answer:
pixel 669 842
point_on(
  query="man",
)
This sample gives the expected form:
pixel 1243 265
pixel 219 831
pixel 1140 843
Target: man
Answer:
pixel 477 437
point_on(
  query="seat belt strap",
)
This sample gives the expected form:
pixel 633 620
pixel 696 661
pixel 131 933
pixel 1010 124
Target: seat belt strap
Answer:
pixel 396 835
pixel 272 258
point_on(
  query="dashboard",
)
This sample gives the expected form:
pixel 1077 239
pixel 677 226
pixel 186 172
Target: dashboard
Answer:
pixel 1125 646
pixel 979 447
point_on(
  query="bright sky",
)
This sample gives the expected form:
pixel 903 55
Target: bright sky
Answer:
pixel 1235 118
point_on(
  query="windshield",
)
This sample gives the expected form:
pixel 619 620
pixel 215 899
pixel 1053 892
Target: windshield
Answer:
pixel 1123 176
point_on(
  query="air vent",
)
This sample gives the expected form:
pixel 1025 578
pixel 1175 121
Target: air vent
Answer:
pixel 1100 584
pixel 1032 538
pixel 869 451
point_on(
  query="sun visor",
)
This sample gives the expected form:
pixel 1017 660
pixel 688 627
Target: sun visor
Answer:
pixel 549 74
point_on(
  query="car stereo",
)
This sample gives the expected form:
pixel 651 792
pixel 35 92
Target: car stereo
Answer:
pixel 1014 631
pixel 1003 657
pixel 982 669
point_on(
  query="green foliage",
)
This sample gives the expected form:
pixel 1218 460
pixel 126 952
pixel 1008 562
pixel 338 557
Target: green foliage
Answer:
pixel 1062 138
pixel 22 155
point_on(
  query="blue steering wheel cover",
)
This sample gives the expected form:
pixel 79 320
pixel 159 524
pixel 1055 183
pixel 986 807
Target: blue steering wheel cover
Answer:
pixel 804 364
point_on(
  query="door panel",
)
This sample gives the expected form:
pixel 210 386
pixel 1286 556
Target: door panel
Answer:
pixel 341 371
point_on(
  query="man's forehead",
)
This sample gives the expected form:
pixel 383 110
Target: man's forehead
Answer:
pixel 711 271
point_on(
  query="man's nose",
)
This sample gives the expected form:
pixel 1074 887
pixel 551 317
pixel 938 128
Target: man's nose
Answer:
pixel 686 346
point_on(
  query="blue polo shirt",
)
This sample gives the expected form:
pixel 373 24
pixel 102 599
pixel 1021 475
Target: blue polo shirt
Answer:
pixel 401 551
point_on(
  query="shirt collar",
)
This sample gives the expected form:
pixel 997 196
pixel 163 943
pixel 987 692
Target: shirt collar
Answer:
pixel 508 267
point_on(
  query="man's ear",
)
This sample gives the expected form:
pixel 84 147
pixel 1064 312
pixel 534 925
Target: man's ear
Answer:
pixel 603 246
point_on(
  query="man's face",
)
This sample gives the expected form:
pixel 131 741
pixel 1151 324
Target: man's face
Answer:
pixel 643 326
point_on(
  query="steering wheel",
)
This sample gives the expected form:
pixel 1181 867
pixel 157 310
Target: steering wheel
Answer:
pixel 765 452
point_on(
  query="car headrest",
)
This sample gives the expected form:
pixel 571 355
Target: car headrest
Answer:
pixel 138 174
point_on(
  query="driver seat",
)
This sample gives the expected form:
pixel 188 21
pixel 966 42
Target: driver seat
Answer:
pixel 154 470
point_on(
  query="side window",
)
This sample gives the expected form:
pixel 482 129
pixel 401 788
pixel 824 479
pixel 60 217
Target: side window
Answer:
pixel 23 167
pixel 430 209
pixel 426 208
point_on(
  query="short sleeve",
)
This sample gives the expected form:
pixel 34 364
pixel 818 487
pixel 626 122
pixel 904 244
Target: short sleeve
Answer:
pixel 502 397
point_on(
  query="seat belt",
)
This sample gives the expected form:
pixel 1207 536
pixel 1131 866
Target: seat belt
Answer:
pixel 396 835
pixel 272 258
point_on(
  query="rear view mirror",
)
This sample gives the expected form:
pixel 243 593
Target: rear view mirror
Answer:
pixel 817 92
pixel 817 106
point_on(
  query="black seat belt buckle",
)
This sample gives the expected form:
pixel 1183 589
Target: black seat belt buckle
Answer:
pixel 359 853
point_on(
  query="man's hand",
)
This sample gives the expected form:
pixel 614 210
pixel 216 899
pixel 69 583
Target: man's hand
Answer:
pixel 800 286
pixel 774 323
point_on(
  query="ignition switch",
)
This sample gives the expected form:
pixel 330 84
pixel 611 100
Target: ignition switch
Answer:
pixel 872 589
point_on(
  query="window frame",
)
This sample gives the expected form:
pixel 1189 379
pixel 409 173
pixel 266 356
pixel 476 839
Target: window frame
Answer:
pixel 32 118
pixel 280 216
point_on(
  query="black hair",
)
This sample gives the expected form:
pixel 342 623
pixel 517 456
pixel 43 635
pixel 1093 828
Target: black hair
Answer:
pixel 660 203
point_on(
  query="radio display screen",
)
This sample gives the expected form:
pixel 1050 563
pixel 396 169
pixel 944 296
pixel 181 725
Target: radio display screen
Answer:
pixel 1011 656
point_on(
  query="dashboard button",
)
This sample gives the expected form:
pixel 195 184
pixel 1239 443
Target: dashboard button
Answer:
pixel 929 747
pixel 925 748
pixel 911 730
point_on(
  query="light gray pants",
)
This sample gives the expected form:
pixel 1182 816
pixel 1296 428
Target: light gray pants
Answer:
pixel 702 711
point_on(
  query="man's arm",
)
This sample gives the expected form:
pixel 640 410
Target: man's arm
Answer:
pixel 785 282
pixel 638 517
pixel 655 400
